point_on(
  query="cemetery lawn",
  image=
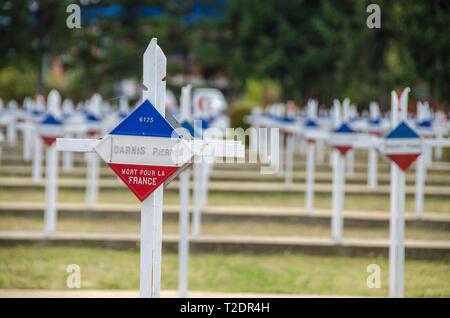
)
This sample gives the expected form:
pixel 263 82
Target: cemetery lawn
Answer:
pixel 219 228
pixel 322 176
pixel 321 201
pixel 45 268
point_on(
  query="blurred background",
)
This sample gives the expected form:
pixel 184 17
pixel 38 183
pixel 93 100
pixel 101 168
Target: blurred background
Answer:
pixel 256 52
pixel 256 238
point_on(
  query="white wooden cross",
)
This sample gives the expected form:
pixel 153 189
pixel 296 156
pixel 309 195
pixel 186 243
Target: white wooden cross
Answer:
pixel 8 119
pixel 26 128
pixel 93 129
pixel 402 146
pixel 373 129
pixel 338 181
pixel 39 107
pixel 430 141
pixel 312 133
pixel 350 157
pixel 49 129
pixel 67 110
pixel 291 110
pixel 183 246
pixel 134 149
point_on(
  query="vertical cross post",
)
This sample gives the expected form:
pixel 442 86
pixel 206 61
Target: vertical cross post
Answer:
pixel 151 209
pixel 67 157
pixel 420 180
pixel 372 179
pixel 290 145
pixel 51 190
pixel 27 140
pixel 197 193
pixel 310 177
pixel 397 206
pixel 51 165
pixel 183 247
pixel 37 159
pixel 309 199
pixel 338 178
pixel 280 113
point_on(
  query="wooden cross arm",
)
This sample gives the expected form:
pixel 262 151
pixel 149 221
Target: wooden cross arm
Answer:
pixel 76 144
pixel 218 148
pixel 361 141
pixel 316 134
pixel 365 141
pixel 437 142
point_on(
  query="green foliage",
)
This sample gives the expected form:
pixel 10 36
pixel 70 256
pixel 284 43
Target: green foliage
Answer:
pixel 307 48
pixel 262 92
pixel 16 83
pixel 426 37
pixel 36 29
pixel 324 49
pixel 69 86
pixel 238 110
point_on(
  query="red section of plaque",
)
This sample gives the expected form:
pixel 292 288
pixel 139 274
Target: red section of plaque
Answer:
pixel 343 149
pixel 286 132
pixel 93 133
pixel 403 161
pixel 310 140
pixel 141 179
pixel 48 140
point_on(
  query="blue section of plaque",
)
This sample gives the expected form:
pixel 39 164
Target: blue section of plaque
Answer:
pixel 36 113
pixel 145 120
pixel 186 125
pixel 375 122
pixel 425 124
pixel 50 120
pixel 309 123
pixel 287 120
pixel 402 131
pixel 344 129
pixel 92 118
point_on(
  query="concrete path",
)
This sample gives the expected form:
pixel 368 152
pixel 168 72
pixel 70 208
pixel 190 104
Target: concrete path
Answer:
pixel 225 213
pixel 223 186
pixel 237 244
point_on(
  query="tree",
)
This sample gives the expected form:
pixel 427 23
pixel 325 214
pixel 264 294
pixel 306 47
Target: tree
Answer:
pixel 427 40
pixel 33 31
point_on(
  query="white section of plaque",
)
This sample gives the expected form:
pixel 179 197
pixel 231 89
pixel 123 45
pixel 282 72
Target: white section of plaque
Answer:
pixel 401 146
pixel 143 150
pixel 342 139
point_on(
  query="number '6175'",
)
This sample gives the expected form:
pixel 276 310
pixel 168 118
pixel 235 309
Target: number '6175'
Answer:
pixel 146 120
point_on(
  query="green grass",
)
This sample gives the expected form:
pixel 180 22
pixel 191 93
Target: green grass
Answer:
pixel 10 223
pixel 323 201
pixel 45 268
